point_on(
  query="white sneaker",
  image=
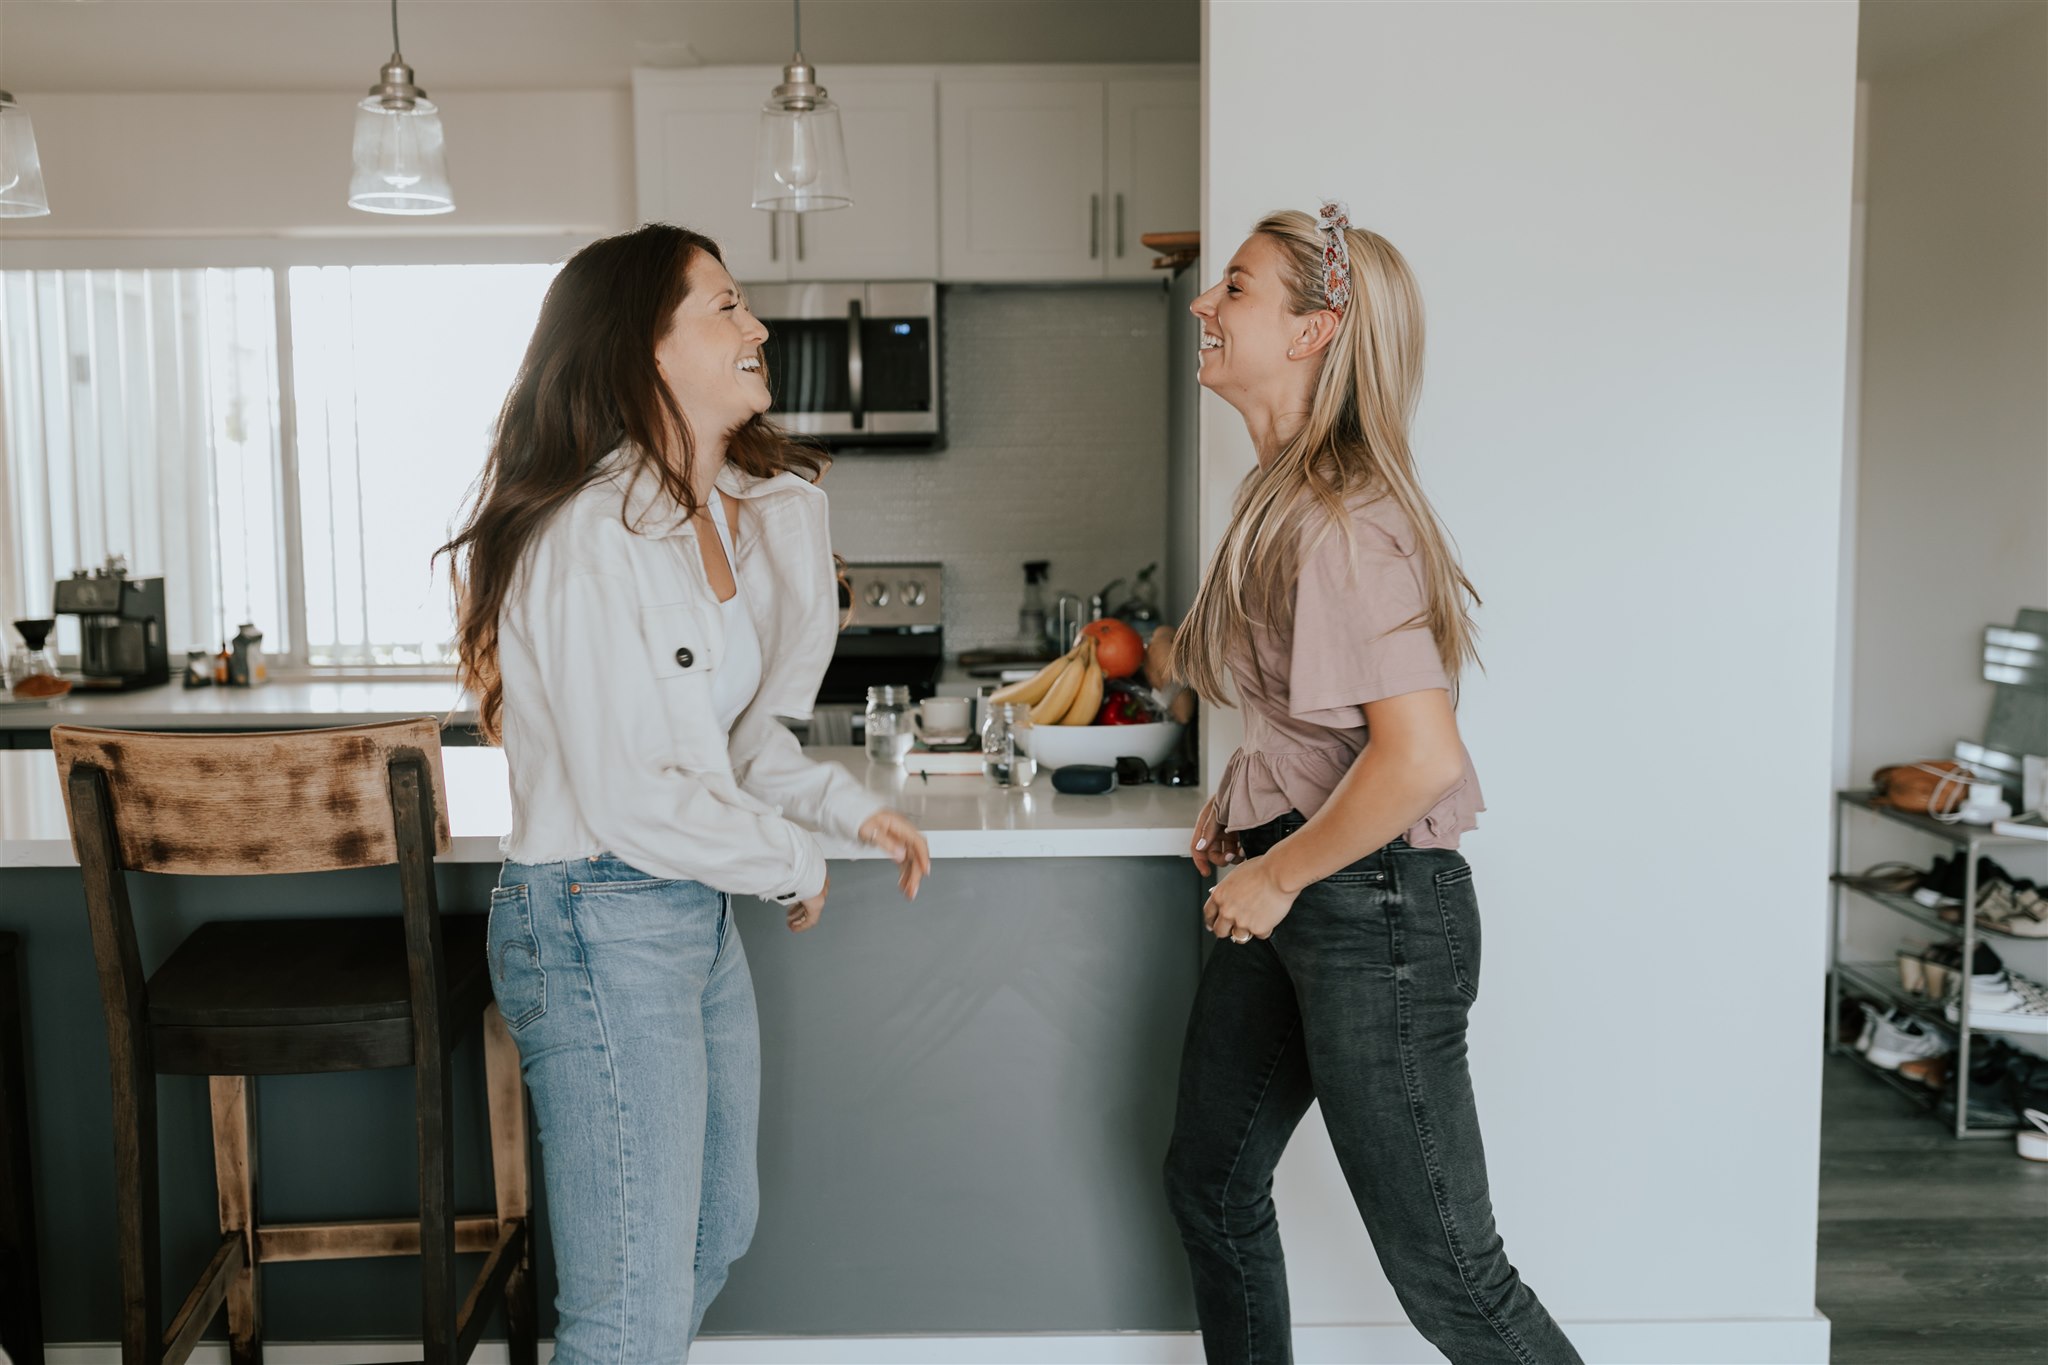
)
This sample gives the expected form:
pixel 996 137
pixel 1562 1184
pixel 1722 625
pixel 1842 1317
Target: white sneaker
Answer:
pixel 1898 1038
pixel 2032 1140
pixel 2005 1002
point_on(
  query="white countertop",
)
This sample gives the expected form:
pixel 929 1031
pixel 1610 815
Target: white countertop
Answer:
pixel 964 817
pixel 273 705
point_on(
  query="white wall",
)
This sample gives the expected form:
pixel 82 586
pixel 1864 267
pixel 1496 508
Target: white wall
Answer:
pixel 1631 223
pixel 1952 507
pixel 237 165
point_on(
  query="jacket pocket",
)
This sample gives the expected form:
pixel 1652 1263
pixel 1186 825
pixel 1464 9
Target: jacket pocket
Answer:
pixel 518 980
pixel 684 645
pixel 682 641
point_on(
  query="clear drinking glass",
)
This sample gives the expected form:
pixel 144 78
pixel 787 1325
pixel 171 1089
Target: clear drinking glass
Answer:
pixel 1003 755
pixel 888 724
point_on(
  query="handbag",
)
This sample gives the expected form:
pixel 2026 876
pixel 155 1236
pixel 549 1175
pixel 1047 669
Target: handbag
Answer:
pixel 1934 786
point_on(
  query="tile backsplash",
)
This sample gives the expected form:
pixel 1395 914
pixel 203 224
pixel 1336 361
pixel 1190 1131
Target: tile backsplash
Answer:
pixel 1056 427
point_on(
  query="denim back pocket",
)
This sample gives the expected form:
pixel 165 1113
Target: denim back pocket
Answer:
pixel 1457 905
pixel 517 978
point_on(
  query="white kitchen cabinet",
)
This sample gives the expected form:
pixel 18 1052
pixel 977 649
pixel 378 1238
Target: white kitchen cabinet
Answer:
pixel 1055 178
pixel 694 158
pixel 1153 161
pixel 892 154
pixel 959 173
pixel 1021 179
pixel 695 131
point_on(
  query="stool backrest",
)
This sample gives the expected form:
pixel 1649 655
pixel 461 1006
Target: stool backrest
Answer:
pixel 248 805
pixel 230 805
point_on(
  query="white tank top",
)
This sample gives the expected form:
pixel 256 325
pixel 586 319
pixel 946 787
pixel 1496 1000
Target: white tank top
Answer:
pixel 738 675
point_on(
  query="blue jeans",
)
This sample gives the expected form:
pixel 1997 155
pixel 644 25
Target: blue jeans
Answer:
pixel 630 1001
pixel 1357 1001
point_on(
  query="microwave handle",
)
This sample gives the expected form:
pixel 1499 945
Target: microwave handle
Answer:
pixel 855 379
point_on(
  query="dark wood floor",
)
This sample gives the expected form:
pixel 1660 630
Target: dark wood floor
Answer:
pixel 1932 1251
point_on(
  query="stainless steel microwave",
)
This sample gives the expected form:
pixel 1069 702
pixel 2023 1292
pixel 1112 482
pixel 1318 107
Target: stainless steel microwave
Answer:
pixel 853 364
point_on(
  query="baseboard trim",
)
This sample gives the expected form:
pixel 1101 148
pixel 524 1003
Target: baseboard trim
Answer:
pixel 1762 1341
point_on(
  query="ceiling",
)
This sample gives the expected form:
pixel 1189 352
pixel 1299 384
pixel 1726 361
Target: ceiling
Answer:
pixel 1894 36
pixel 160 46
pixel 193 45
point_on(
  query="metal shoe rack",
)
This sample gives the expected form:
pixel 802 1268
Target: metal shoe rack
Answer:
pixel 1879 981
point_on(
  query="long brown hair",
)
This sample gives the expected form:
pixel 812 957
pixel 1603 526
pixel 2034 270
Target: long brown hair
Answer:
pixel 1353 448
pixel 587 386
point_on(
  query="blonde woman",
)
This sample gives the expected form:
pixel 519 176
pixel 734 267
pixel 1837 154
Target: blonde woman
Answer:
pixel 1349 923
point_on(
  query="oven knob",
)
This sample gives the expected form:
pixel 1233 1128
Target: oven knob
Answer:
pixel 877 594
pixel 912 593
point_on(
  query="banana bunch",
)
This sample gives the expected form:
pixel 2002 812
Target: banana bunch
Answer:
pixel 1067 691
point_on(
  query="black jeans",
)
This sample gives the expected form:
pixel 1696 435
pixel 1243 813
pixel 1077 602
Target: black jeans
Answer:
pixel 1357 1001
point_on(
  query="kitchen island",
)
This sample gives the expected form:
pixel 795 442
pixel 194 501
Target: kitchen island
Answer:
pixel 282 705
pixel 965 1099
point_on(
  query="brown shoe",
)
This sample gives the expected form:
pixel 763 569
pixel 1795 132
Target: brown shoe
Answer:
pixel 1932 1072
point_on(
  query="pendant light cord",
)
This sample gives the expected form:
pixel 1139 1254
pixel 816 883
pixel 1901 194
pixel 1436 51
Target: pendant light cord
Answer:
pixel 797 5
pixel 394 26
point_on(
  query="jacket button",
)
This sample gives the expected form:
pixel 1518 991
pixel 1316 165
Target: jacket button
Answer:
pixel 684 658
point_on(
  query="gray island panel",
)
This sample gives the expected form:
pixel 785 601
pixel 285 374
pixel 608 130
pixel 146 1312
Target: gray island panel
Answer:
pixel 965 1103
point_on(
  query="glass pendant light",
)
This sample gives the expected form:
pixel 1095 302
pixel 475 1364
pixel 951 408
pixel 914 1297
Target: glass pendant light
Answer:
pixel 21 170
pixel 800 153
pixel 401 165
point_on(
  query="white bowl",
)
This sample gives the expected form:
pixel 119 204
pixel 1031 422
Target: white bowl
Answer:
pixel 1056 746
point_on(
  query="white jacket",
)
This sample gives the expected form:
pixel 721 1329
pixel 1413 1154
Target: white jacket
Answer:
pixel 607 643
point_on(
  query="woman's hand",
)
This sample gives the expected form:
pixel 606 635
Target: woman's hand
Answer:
pixel 1248 904
pixel 804 914
pixel 1211 847
pixel 892 832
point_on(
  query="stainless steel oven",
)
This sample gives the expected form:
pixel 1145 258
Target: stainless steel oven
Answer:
pixel 893 632
pixel 854 364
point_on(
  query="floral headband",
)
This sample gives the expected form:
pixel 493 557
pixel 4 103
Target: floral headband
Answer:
pixel 1332 221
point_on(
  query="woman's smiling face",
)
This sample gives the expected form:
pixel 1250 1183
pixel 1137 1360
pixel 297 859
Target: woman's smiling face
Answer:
pixel 711 355
pixel 1246 326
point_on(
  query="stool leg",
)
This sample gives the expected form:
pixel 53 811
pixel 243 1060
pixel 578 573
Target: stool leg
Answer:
pixel 435 1104
pixel 137 1213
pixel 512 1173
pixel 234 1173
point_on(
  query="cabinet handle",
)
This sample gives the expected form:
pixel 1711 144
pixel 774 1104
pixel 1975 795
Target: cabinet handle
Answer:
pixel 774 246
pixel 1094 226
pixel 856 369
pixel 799 236
pixel 1119 223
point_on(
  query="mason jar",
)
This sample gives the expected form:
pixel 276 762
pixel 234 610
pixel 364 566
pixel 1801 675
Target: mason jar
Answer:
pixel 888 724
pixel 1005 759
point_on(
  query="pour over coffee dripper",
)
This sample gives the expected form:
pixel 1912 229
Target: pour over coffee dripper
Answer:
pixel 32 668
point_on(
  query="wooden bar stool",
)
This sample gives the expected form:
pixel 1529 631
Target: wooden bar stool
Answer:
pixel 243 998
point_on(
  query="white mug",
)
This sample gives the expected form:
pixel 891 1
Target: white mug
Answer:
pixel 941 720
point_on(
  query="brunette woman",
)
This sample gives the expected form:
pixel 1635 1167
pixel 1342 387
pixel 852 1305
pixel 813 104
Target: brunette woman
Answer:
pixel 646 586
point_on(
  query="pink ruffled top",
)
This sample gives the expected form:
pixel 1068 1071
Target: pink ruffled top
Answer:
pixel 1304 706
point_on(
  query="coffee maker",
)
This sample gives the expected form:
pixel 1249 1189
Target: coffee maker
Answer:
pixel 121 627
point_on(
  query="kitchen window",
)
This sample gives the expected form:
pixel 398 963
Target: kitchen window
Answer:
pixel 286 444
pixel 397 374
pixel 141 420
